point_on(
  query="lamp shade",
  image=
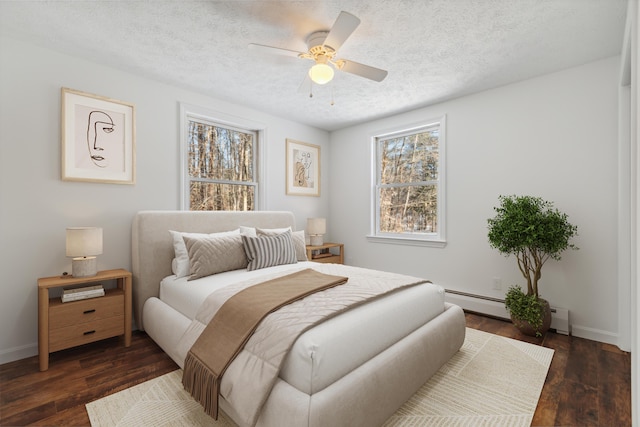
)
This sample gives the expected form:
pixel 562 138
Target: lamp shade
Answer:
pixel 316 226
pixel 321 74
pixel 84 241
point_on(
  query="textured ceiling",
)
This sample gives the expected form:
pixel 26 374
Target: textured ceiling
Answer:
pixel 433 49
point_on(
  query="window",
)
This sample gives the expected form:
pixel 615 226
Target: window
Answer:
pixel 220 165
pixel 409 185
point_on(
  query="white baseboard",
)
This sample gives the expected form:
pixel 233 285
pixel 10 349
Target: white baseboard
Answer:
pixel 490 307
pixel 594 334
pixel 560 320
pixel 17 353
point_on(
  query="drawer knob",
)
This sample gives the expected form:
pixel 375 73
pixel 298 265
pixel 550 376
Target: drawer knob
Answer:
pixel 93 310
pixel 89 332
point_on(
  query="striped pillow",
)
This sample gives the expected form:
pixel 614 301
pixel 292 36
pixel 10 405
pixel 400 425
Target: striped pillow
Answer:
pixel 267 251
pixel 297 237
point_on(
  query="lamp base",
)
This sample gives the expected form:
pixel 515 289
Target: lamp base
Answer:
pixel 316 240
pixel 84 266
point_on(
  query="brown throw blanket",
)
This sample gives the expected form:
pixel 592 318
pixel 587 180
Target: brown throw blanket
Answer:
pixel 231 327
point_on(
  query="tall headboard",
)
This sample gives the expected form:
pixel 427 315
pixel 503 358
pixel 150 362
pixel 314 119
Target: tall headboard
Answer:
pixel 152 245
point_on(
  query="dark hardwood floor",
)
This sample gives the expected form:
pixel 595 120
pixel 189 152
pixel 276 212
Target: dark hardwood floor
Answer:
pixel 588 384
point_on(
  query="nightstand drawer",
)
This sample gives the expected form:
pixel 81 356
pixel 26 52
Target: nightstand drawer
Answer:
pixel 71 313
pixel 84 333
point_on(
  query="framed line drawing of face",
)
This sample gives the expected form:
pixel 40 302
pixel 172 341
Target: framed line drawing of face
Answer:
pixel 98 138
pixel 303 169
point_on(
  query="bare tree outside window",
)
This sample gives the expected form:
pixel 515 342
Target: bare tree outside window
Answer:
pixel 408 180
pixel 221 168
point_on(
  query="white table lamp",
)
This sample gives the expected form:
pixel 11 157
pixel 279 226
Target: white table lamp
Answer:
pixel 83 244
pixel 316 228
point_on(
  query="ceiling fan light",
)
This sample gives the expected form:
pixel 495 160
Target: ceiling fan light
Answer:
pixel 321 74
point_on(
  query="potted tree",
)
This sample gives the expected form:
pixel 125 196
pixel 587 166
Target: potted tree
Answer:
pixel 534 231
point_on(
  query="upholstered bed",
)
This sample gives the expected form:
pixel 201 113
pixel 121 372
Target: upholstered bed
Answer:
pixel 354 369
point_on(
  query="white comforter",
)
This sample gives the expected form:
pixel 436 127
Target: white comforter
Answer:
pixel 258 365
pixel 325 353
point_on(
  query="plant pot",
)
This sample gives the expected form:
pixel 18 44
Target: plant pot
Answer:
pixel 527 329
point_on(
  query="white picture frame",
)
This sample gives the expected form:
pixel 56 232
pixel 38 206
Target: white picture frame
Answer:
pixel 303 169
pixel 98 138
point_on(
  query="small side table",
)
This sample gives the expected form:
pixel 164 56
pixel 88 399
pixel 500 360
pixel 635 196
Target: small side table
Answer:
pixel 328 252
pixel 64 325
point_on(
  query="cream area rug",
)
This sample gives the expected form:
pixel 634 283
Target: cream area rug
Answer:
pixel 491 381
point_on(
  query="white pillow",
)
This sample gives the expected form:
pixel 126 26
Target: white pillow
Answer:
pixel 297 237
pixel 248 231
pixel 181 267
pixel 300 243
pixel 252 231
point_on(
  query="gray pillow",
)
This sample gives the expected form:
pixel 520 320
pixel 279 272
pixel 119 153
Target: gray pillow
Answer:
pixel 180 264
pixel 296 236
pixel 211 255
pixel 268 251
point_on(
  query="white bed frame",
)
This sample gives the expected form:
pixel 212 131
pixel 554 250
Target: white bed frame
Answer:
pixel 366 397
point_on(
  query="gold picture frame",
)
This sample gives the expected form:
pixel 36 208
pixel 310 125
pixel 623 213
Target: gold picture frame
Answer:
pixel 98 138
pixel 303 169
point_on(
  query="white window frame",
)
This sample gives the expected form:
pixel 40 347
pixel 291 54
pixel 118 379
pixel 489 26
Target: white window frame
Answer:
pixel 437 239
pixel 216 118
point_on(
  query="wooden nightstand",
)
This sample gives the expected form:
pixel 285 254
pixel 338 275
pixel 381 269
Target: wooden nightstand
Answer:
pixel 329 252
pixel 64 325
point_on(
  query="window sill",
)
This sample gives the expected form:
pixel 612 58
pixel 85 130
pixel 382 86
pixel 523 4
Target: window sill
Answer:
pixel 407 241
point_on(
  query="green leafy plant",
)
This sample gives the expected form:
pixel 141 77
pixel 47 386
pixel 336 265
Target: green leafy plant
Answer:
pixel 534 231
pixel 525 308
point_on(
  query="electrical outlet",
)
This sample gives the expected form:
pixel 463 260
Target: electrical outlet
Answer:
pixel 497 283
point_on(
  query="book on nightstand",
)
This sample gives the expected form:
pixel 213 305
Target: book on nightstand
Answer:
pixel 76 294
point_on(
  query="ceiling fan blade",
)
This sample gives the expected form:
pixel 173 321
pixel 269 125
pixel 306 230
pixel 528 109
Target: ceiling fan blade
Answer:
pixel 362 70
pixel 345 24
pixel 275 50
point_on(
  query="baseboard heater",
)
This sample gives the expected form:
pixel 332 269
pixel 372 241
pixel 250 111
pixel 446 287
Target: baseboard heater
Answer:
pixel 495 307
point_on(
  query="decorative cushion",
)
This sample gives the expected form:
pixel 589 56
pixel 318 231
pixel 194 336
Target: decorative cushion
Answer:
pixel 252 231
pixel 215 254
pixel 297 237
pixel 248 231
pixel 267 251
pixel 181 266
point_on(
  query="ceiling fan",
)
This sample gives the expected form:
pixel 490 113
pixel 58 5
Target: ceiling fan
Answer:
pixel 323 47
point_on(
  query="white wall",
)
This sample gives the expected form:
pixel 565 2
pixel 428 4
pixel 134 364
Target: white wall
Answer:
pixel 629 200
pixel 555 137
pixel 632 65
pixel 36 206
